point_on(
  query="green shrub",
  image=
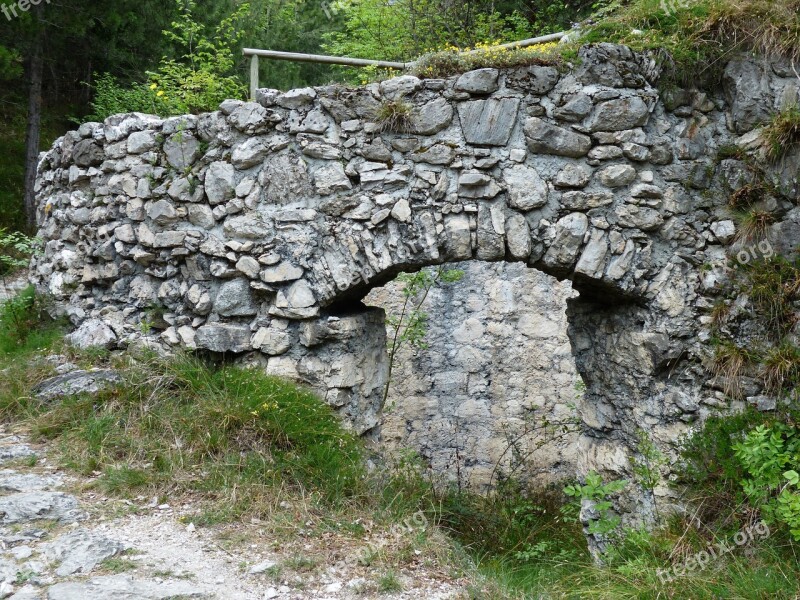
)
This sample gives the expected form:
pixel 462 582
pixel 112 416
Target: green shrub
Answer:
pixel 16 250
pixel 709 469
pixel 771 457
pixel 111 98
pixel 599 493
pixel 198 79
pixel 25 324
pixel 513 525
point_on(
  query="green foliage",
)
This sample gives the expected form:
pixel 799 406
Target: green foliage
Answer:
pixel 405 29
pixel 599 493
pixel 25 324
pixel 452 60
pixel 513 525
pixel 693 39
pixel 709 469
pixel 647 465
pixel 771 456
pixel 16 250
pixel 111 98
pixel 200 76
pixel 782 133
pixel 410 326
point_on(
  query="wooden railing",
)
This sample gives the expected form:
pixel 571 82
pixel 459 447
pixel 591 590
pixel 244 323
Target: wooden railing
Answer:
pixel 255 54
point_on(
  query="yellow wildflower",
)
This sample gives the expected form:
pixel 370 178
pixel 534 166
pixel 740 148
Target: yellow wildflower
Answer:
pixel 153 86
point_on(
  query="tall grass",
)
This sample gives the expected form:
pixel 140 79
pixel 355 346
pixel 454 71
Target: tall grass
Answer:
pixel 177 426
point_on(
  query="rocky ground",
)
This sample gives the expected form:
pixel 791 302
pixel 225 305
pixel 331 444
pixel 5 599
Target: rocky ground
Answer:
pixel 61 540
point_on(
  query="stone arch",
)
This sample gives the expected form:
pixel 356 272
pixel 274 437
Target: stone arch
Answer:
pixel 258 228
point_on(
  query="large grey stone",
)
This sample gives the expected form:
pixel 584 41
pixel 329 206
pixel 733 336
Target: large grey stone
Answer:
pixel 13 481
pixel 432 117
pixel 617 175
pixel 488 122
pixel 235 299
pixel 80 551
pixel 87 153
pixel 182 149
pixel 124 587
pixel 299 295
pixel 331 178
pixel 747 87
pixel 569 232
pixel 480 81
pixel 220 182
pixel 550 139
pixel 91 334
pixel 250 117
pixel 618 114
pixel 224 338
pixel 526 189
pixel 518 237
pixel 249 153
pixel 162 212
pixel 39 506
pixel 76 382
pixel 281 273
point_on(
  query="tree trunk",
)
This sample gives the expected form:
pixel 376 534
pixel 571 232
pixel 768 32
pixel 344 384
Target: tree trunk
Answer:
pixel 33 130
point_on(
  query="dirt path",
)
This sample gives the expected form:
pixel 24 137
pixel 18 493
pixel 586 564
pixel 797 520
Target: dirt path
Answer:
pixel 61 542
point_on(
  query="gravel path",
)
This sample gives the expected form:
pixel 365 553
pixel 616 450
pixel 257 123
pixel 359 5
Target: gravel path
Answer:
pixel 57 545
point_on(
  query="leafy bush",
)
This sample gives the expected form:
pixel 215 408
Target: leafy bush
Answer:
pixel 771 457
pixel 198 79
pixel 599 494
pixel 16 250
pixel 25 323
pixel 111 98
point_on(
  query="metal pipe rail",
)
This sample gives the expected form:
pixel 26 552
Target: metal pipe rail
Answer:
pixel 255 53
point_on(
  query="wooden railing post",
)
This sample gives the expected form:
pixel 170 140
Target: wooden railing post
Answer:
pixel 253 77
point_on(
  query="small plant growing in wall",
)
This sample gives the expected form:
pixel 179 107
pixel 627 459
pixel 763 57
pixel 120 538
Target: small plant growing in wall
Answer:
pixel 782 133
pixel 394 116
pixel 647 465
pixel 411 325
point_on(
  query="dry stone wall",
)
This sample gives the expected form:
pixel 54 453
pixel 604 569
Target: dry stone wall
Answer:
pixel 257 229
